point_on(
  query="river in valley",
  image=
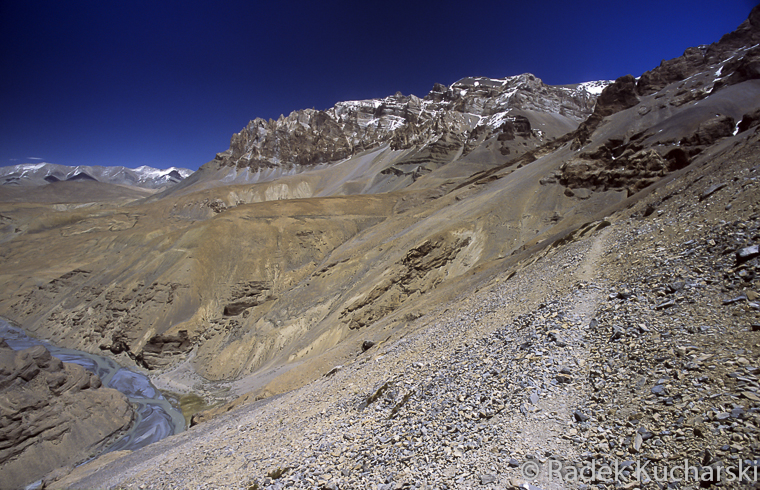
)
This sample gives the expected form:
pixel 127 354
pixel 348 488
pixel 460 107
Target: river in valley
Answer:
pixel 156 418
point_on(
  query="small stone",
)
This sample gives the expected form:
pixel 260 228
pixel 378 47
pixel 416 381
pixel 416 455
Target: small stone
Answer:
pixel 367 345
pixel 747 253
pixel 664 305
pixel 741 297
pixel 751 396
pixel 617 333
pixel 562 378
pixel 486 479
pixel 659 390
pixel 711 190
pixel 333 370
pixel 580 416
pixel 533 398
pixel 637 441
pixel 517 483
pixel 707 458
pixel 645 434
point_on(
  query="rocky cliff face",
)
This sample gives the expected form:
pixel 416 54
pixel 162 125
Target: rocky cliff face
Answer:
pixel 465 113
pixel 643 155
pixel 52 414
pixel 736 52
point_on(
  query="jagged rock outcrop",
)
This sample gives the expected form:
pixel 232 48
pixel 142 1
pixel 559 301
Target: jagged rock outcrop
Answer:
pixel 700 72
pixel 616 97
pixel 420 270
pixel 467 112
pixel 52 414
pixel 737 48
pixel 633 171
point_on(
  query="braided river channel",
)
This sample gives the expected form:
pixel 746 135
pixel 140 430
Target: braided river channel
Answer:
pixel 155 418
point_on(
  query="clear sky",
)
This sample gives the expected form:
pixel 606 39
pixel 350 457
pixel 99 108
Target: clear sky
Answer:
pixel 166 83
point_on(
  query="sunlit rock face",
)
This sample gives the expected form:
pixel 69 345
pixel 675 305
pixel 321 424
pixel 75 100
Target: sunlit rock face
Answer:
pixel 669 115
pixel 467 112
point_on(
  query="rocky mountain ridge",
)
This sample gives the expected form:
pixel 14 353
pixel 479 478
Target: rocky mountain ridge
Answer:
pixel 469 111
pixel 330 274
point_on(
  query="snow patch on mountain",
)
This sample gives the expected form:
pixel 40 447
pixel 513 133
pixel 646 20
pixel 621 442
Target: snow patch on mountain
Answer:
pixel 150 172
pixel 594 87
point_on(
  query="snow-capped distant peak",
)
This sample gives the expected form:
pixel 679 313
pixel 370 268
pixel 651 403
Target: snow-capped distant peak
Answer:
pixel 151 172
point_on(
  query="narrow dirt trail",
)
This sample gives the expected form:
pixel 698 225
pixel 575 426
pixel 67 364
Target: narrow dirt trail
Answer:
pixel 588 272
pixel 588 269
pixel 548 423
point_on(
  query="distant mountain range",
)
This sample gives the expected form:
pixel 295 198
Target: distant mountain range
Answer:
pixel 34 174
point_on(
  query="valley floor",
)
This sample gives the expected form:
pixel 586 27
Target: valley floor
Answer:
pixel 636 343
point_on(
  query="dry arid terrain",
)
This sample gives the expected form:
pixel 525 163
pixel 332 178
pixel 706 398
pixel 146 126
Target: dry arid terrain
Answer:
pixel 636 340
pixel 447 292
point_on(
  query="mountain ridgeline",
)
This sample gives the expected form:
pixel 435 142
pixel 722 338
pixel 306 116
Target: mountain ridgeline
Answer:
pixel 463 115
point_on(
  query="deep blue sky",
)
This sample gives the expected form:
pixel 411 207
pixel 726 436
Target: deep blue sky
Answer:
pixel 166 83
